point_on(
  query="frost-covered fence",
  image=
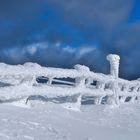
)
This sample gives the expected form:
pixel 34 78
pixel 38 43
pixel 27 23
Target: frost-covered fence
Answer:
pixel 21 81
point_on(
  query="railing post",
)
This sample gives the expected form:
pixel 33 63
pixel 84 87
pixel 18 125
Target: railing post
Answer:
pixel 133 98
pixel 114 71
pixel 122 99
pixel 49 82
pixel 114 99
pixel 114 65
pixel 98 100
pixel 81 81
pixel 89 81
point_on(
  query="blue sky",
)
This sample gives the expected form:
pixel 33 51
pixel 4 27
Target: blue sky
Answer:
pixel 63 33
pixel 135 12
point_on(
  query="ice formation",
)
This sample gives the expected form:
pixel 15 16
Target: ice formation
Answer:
pixel 20 82
pixel 114 64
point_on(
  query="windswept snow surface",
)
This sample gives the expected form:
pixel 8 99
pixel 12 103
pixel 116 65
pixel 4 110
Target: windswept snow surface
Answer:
pixel 49 121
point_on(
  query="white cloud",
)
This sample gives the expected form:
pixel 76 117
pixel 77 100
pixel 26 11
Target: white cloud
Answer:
pixel 84 50
pixel 32 49
pixel 69 49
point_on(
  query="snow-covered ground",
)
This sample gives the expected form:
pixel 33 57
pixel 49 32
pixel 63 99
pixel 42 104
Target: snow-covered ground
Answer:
pixel 50 121
pixel 52 110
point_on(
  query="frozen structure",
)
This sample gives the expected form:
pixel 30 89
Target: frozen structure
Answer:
pixel 24 82
pixel 114 64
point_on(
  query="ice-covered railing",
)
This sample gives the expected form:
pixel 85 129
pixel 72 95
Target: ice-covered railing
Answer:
pixel 23 81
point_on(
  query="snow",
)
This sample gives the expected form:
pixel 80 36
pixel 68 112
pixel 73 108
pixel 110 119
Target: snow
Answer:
pixel 94 106
pixel 48 121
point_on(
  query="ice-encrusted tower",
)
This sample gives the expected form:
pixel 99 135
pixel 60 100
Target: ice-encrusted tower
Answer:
pixel 114 64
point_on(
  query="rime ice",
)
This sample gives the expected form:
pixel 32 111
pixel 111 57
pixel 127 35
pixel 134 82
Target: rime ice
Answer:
pixel 31 110
pixel 20 82
pixel 114 64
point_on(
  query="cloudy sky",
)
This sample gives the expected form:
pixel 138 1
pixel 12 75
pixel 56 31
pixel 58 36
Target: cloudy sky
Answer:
pixel 62 33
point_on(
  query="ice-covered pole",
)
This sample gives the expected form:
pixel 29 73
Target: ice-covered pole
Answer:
pixel 114 71
pixel 81 81
pixel 114 64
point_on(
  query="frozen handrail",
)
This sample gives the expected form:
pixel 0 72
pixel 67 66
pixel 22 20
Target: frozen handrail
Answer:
pixel 116 88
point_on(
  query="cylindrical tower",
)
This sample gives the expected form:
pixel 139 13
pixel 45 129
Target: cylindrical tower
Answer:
pixel 114 64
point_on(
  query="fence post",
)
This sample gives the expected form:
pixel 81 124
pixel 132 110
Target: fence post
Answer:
pixel 81 81
pixel 114 71
pixel 49 82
